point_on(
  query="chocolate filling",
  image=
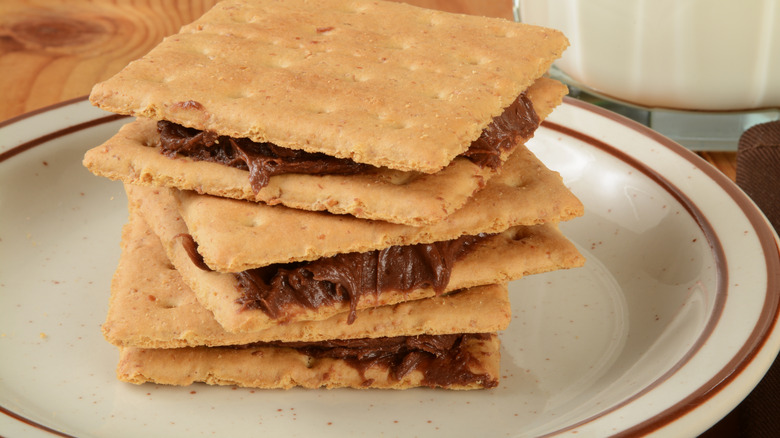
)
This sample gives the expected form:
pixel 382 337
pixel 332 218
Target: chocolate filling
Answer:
pixel 518 120
pixel 348 277
pixel 442 359
pixel 345 277
pixel 264 160
pixel 191 247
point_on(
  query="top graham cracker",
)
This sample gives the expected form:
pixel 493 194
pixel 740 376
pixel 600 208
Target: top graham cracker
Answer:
pixel 382 83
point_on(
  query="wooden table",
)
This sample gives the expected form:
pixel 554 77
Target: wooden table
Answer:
pixel 55 50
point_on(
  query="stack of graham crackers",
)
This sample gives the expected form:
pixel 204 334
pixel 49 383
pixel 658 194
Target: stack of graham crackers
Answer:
pixel 330 194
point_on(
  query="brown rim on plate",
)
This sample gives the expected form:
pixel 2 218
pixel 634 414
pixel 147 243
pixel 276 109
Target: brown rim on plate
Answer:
pixel 739 361
pixel 769 311
pixel 44 109
pixel 715 246
pixel 57 134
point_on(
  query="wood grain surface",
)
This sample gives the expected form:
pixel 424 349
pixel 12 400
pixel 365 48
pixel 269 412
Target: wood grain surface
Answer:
pixel 54 50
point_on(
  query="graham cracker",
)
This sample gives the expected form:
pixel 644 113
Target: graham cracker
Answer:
pixel 500 258
pixel 382 83
pixel 152 307
pixel 411 198
pixel 238 235
pixel 279 367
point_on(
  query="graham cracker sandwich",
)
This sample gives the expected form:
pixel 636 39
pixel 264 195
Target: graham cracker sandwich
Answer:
pixel 339 279
pixel 151 306
pixel 361 100
pixel 457 361
pixel 139 154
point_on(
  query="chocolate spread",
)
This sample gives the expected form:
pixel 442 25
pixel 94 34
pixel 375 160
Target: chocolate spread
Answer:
pixel 441 358
pixel 347 277
pixel 518 119
pixel 191 247
pixel 264 160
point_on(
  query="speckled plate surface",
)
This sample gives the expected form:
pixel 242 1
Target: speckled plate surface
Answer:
pixel 668 326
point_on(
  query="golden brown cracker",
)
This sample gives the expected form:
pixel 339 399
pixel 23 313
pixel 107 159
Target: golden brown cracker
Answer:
pixel 382 83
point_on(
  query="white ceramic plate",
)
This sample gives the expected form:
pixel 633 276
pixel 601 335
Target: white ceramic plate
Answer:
pixel 670 324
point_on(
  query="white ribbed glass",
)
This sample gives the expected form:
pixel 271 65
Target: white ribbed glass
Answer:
pixel 684 54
